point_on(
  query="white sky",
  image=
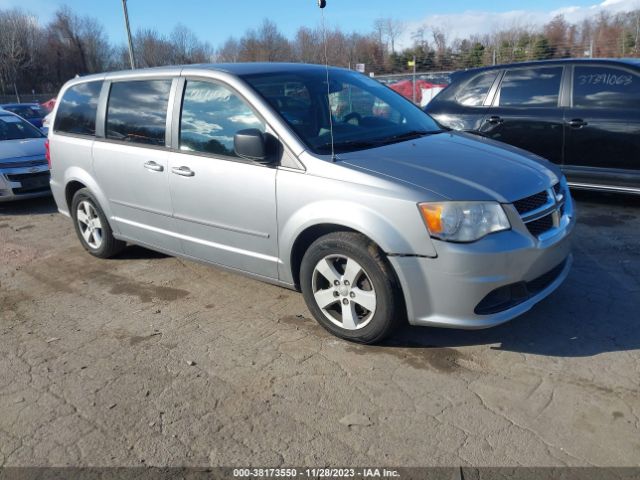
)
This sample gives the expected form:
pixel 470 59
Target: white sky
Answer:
pixel 461 25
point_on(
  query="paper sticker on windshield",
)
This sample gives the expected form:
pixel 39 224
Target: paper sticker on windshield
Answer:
pixel 606 79
pixel 10 119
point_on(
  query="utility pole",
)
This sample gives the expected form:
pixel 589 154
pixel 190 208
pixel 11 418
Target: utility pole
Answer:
pixel 126 24
pixel 414 79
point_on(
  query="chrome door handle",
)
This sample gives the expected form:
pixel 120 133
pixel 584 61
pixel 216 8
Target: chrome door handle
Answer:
pixel 577 123
pixel 183 171
pixel 495 120
pixel 153 166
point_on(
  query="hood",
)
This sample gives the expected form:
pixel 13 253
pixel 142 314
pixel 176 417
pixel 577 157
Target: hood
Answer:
pixel 19 149
pixel 459 166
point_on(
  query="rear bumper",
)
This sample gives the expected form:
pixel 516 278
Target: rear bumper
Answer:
pixel 24 183
pixel 486 283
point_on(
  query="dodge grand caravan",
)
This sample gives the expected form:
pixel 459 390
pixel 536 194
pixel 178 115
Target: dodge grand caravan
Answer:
pixel 294 175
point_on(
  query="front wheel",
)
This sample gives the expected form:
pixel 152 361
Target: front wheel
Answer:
pixel 350 287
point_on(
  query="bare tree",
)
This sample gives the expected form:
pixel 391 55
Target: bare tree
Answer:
pixel 393 30
pixel 229 52
pixel 187 48
pixel 307 45
pixel 18 35
pixel 151 48
pixel 266 44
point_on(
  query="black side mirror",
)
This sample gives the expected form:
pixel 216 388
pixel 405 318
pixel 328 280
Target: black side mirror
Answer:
pixel 254 145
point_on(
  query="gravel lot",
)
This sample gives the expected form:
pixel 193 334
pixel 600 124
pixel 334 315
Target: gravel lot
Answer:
pixel 152 360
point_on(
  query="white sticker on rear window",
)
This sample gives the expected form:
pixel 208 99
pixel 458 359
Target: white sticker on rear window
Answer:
pixel 605 79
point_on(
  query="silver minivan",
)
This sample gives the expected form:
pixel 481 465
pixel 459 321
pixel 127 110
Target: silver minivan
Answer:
pixel 316 179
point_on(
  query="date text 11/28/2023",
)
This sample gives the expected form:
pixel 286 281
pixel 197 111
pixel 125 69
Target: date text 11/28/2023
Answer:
pixel 315 473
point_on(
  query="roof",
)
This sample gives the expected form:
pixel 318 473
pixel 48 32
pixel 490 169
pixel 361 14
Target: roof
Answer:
pixel 238 69
pixel 634 62
pixel 242 69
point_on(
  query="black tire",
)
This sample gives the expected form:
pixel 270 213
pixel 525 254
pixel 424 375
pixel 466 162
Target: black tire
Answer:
pixel 109 245
pixel 389 307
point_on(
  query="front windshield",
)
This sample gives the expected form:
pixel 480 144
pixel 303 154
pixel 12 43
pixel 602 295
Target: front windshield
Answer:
pixel 14 128
pixel 364 112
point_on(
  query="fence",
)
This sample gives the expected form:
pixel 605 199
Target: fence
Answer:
pixel 27 98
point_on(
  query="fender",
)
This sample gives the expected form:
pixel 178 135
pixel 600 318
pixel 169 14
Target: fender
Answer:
pixel 392 239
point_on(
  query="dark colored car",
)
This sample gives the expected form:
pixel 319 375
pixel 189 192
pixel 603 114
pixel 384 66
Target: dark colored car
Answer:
pixel 31 112
pixel 582 114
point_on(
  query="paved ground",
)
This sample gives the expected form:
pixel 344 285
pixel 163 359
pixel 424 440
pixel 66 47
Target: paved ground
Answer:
pixel 152 360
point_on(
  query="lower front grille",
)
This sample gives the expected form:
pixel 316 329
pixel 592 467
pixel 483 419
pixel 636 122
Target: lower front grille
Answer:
pixel 509 296
pixel 541 225
pixel 30 182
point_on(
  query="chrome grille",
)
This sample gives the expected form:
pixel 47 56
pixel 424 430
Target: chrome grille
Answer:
pixel 538 227
pixel 542 212
pixel 531 203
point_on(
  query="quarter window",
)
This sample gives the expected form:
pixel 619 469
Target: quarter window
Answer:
pixel 475 92
pixel 137 111
pixel 530 87
pixel 211 116
pixel 77 110
pixel 598 87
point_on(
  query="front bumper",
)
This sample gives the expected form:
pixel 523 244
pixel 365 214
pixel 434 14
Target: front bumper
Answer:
pixel 464 287
pixel 24 182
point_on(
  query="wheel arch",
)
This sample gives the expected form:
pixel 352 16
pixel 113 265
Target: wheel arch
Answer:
pixel 77 178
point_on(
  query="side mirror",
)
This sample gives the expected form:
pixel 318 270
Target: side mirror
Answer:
pixel 254 145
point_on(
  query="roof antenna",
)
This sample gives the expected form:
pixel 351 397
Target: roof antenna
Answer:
pixel 322 4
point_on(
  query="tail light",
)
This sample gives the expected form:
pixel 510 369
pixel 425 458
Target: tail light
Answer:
pixel 47 153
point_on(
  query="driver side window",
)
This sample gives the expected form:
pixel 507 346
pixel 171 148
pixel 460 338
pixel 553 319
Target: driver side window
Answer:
pixel 211 116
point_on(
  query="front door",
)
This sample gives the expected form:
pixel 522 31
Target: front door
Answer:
pixel 603 127
pixel 224 206
pixel 526 111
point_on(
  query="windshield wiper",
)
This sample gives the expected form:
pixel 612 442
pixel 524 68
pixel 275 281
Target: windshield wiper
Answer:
pixel 348 144
pixel 358 144
pixel 409 135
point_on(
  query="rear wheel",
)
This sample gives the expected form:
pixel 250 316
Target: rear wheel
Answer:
pixel 350 288
pixel 92 226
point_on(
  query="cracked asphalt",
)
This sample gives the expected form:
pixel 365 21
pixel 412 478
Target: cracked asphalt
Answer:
pixel 152 360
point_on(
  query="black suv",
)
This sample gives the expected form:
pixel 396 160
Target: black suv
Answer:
pixel 581 114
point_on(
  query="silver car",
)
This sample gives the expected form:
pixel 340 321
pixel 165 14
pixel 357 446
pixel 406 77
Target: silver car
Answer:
pixel 24 172
pixel 316 179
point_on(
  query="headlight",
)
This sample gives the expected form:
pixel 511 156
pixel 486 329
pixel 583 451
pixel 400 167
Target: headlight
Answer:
pixel 463 221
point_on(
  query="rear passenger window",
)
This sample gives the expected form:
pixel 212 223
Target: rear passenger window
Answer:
pixel 137 111
pixel 211 116
pixel 474 93
pixel 530 87
pixel 77 110
pixel 605 87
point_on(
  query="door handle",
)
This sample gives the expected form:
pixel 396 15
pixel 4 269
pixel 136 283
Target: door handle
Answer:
pixel 495 120
pixel 153 166
pixel 577 123
pixel 183 171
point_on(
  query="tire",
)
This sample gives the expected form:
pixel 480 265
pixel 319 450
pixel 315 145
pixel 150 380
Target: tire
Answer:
pixel 366 312
pixel 92 227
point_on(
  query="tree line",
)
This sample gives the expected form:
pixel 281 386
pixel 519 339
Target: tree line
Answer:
pixel 40 58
